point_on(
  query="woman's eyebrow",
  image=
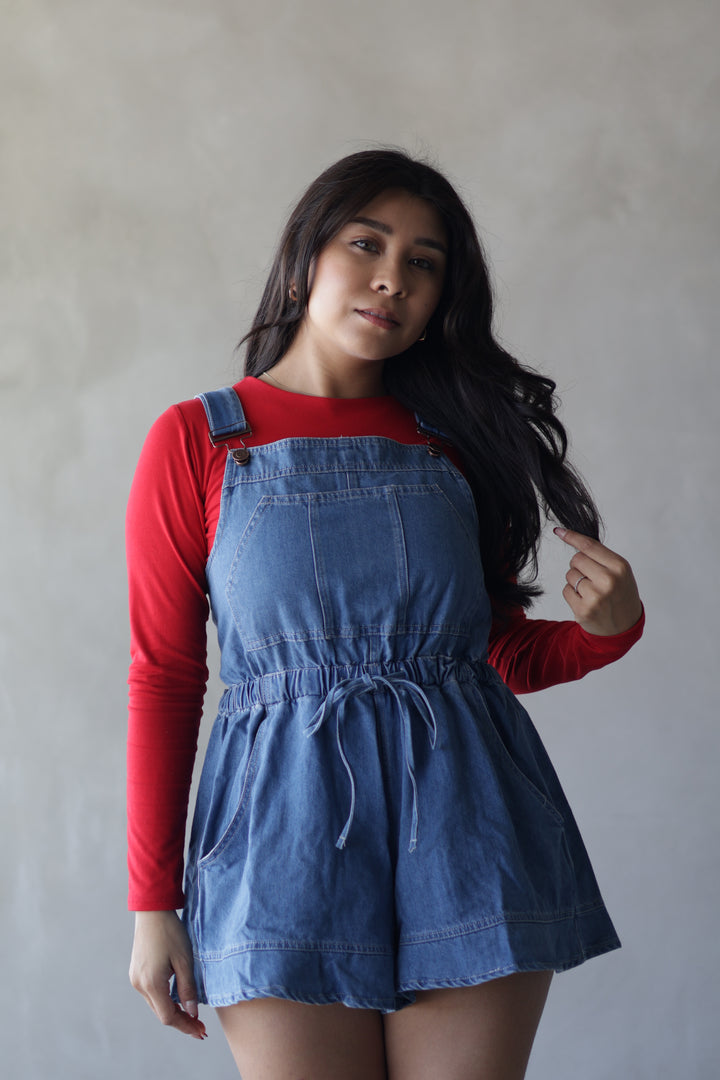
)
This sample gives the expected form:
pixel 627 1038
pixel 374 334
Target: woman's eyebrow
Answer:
pixel 424 241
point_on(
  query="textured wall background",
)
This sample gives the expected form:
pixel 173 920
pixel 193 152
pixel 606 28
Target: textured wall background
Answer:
pixel 150 151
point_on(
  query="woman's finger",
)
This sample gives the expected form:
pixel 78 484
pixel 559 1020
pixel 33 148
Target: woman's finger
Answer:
pixel 574 601
pixel 574 577
pixel 169 1012
pixel 186 990
pixel 583 566
pixel 593 549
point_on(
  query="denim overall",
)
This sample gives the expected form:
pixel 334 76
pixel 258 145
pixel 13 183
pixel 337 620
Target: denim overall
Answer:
pixel 376 813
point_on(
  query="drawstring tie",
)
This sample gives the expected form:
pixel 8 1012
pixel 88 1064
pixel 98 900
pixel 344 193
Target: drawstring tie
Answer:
pixel 338 697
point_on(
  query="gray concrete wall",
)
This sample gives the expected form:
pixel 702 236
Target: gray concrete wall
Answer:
pixel 150 151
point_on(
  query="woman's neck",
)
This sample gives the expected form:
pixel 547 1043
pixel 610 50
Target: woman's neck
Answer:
pixel 317 377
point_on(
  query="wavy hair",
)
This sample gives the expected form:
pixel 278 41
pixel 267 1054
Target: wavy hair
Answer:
pixel 500 414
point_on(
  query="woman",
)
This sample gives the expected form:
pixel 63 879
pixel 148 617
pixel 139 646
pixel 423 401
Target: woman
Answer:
pixel 383 871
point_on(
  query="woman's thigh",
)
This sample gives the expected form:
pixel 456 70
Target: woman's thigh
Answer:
pixel 284 1040
pixel 481 1032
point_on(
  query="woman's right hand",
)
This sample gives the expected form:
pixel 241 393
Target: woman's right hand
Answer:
pixel 162 948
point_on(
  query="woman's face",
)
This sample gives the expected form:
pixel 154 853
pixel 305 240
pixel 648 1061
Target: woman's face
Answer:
pixel 377 282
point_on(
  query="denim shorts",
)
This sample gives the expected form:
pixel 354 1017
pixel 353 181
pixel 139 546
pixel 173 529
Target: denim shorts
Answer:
pixel 376 813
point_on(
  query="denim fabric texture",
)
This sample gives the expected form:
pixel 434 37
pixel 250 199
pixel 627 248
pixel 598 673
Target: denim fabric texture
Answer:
pixel 376 813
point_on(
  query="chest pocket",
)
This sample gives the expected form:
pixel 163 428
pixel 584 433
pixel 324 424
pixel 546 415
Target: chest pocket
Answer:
pixel 354 562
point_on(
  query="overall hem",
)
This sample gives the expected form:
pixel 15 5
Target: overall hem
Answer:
pixel 492 948
pixel 323 973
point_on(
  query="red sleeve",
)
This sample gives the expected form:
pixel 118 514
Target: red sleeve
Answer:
pixel 532 654
pixel 166 555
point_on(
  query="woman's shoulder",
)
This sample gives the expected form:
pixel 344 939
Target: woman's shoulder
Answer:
pixel 177 447
pixel 182 417
pixel 183 423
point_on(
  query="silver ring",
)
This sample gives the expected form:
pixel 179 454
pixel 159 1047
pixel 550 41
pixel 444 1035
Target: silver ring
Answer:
pixel 583 577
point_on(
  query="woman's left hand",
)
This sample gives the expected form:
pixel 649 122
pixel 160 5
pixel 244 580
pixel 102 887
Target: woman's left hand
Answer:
pixel 600 588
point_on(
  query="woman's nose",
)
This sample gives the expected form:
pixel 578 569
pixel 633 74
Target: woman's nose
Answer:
pixel 390 279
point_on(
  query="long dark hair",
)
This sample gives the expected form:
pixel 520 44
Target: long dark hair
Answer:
pixel 497 412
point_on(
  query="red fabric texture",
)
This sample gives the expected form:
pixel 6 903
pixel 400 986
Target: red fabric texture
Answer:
pixel 171 520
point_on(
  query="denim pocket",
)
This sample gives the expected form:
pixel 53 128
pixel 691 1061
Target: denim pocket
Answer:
pixel 518 758
pixel 300 570
pixel 219 810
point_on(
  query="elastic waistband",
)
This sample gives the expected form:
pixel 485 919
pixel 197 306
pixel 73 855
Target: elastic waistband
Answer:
pixel 293 683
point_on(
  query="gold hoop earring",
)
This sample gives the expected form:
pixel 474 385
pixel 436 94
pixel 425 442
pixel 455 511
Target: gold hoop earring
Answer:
pixel 423 336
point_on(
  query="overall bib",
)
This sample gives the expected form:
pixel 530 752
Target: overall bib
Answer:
pixel 376 813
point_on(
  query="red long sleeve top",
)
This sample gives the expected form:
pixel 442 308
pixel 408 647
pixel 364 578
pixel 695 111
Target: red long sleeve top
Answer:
pixel 171 520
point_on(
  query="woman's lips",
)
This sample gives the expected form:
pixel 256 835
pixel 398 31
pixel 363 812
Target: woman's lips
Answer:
pixel 379 318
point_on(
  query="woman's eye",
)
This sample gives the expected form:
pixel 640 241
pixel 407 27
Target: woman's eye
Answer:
pixel 365 245
pixel 423 264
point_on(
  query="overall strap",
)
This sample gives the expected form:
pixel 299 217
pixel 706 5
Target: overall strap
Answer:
pixel 427 429
pixel 226 420
pixel 430 434
pixel 225 415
